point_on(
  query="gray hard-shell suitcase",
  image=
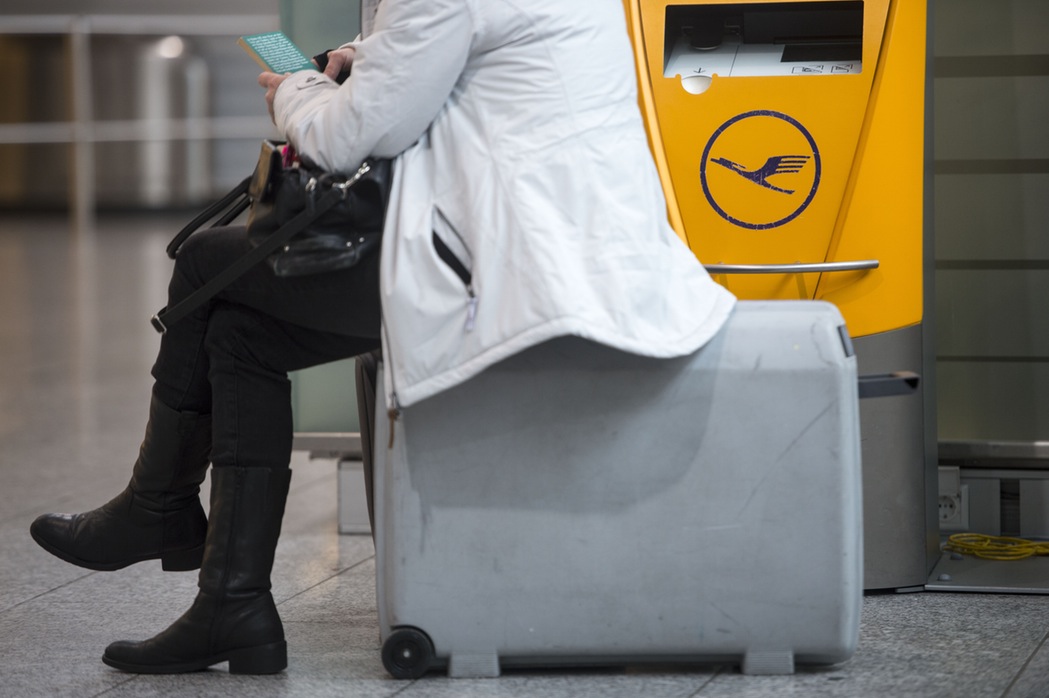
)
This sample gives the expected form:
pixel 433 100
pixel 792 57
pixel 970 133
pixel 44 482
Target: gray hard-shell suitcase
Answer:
pixel 577 505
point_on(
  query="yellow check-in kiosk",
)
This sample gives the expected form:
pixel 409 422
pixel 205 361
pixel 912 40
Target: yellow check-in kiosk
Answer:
pixel 790 141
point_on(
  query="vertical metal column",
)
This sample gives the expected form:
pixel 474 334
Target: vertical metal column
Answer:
pixel 82 191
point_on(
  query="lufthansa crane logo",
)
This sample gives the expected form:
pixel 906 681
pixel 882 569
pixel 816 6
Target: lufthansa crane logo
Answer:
pixel 760 170
pixel 777 164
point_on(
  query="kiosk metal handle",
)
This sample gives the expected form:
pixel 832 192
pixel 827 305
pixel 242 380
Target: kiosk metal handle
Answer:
pixel 795 268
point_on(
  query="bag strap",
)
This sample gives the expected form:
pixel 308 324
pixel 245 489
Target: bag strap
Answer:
pixel 169 316
pixel 215 209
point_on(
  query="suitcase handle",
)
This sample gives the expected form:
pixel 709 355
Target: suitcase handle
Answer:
pixel 795 268
pixel 888 384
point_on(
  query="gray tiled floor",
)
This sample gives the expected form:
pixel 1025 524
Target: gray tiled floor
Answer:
pixel 75 349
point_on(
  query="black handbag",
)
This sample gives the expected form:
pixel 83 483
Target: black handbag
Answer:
pixel 302 220
pixel 337 237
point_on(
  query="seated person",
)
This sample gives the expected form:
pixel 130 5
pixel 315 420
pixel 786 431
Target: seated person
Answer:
pixel 525 206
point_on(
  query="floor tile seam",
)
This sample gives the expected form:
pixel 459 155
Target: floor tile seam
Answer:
pixel 300 485
pixel 326 579
pixel 45 593
pixel 19 518
pixel 1027 663
pixel 709 680
pixel 61 501
pixel 335 623
pixel 119 684
pixel 24 517
pixel 404 688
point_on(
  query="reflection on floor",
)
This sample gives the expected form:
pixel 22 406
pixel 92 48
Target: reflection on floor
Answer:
pixel 75 352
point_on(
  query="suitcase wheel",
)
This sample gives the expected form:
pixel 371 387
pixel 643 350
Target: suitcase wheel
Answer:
pixel 407 653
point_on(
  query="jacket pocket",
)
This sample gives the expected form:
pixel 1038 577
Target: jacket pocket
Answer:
pixel 448 257
pixel 443 237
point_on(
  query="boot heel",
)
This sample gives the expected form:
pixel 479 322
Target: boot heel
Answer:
pixel 182 560
pixel 264 659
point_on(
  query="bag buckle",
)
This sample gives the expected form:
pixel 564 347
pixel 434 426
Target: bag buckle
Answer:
pixel 345 185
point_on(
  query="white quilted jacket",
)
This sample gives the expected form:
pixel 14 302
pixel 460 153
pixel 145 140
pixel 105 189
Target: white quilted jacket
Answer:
pixel 522 154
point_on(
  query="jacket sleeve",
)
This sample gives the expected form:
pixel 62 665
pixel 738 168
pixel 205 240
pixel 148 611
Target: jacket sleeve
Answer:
pixel 403 73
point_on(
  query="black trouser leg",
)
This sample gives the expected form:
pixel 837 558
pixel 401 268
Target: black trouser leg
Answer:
pixel 249 355
pixel 344 304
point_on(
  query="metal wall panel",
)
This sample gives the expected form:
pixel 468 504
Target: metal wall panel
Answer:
pixel 992 215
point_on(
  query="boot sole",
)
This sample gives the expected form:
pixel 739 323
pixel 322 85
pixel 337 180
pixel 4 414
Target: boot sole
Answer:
pixel 263 659
pixel 172 561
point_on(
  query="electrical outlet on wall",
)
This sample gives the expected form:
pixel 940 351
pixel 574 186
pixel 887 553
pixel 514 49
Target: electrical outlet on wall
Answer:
pixel 953 501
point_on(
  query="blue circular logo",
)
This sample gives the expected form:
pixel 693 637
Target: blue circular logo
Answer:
pixel 764 166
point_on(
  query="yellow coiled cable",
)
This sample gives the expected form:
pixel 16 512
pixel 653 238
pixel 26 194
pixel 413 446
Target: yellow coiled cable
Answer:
pixel 995 547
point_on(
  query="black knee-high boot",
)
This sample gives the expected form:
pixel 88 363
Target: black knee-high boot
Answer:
pixel 233 618
pixel 158 515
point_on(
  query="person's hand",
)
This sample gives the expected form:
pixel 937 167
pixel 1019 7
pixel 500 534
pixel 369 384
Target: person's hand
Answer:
pixel 271 81
pixel 339 61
